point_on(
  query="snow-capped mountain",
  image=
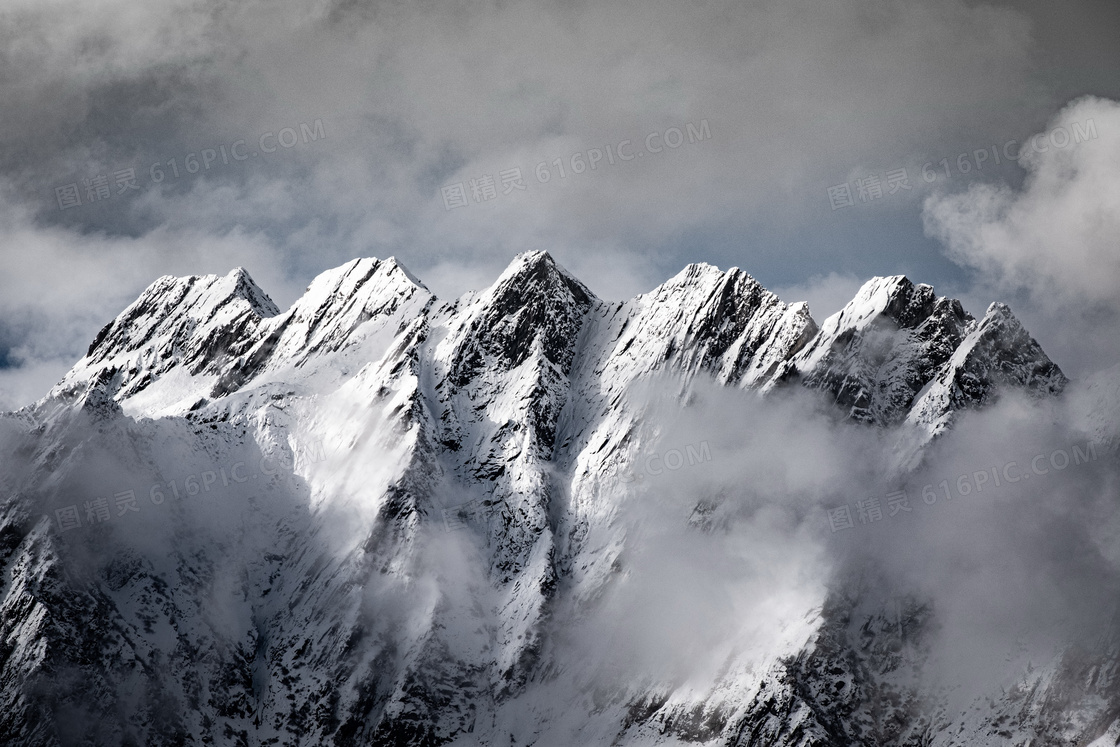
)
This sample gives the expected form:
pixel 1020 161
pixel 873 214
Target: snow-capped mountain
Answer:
pixel 378 517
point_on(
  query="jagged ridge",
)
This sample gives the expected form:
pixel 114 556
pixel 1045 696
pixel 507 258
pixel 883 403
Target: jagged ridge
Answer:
pixel 507 408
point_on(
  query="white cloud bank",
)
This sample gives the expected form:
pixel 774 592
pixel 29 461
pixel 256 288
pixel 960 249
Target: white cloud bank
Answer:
pixel 1058 238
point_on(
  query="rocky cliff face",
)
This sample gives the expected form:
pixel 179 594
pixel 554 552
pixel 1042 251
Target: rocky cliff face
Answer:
pixel 234 525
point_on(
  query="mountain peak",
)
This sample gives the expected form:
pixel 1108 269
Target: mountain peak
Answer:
pixel 341 308
pixel 195 323
pixel 878 353
pixel 702 272
pixel 874 356
pixel 533 302
pixel 352 276
pixel 394 263
pixel 537 268
pixel 533 257
pixel 245 287
pixel 531 274
pixel 200 298
pixel 529 262
pixel 878 295
pixel 997 353
pixel 999 310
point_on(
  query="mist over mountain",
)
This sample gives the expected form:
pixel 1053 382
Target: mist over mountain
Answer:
pixel 390 373
pixel 528 516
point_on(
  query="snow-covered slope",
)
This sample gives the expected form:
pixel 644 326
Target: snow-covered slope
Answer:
pixel 899 352
pixel 181 331
pixel 375 517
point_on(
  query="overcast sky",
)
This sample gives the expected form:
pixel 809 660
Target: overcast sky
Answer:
pixel 290 137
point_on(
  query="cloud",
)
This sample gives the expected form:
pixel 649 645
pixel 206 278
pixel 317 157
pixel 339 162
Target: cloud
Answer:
pixel 721 566
pixel 1056 238
pixel 420 96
